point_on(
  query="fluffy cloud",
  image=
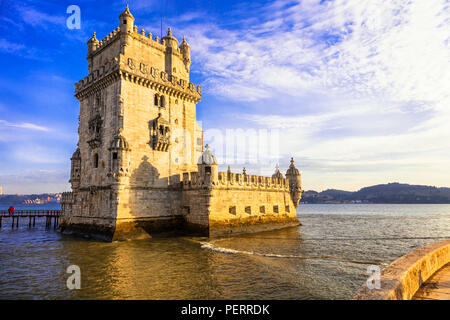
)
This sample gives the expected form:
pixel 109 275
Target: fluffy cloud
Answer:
pixel 10 47
pixel 392 50
pixel 23 125
pixel 357 89
pixel 381 70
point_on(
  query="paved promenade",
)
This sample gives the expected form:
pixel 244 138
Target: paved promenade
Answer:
pixel 437 287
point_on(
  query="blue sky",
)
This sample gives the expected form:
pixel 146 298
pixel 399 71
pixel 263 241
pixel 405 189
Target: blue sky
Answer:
pixel 357 91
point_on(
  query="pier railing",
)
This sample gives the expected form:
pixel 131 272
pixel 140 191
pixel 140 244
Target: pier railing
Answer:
pixel 51 217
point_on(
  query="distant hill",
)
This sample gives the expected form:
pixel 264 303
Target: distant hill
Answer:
pixel 382 193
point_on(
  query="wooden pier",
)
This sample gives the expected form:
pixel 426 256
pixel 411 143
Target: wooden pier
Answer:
pixel 51 217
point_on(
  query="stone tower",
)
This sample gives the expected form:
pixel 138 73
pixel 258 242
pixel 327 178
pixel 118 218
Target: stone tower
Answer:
pixel 140 168
pixel 137 133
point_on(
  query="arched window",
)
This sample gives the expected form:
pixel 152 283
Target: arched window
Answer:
pixel 114 161
pixel 156 99
pixel 96 160
pixel 162 102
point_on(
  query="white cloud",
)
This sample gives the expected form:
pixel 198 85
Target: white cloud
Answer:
pixel 23 125
pixel 10 47
pixel 393 50
pixel 381 68
pixel 35 17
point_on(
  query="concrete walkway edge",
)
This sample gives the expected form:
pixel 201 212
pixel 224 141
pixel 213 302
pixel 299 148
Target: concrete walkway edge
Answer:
pixel 402 278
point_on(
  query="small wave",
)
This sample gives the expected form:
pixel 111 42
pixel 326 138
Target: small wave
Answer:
pixel 344 239
pixel 210 246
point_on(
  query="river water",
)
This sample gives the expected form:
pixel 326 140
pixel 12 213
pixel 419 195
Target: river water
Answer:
pixel 325 258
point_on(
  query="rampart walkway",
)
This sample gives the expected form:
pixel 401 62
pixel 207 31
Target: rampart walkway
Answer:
pixel 423 273
pixel 437 287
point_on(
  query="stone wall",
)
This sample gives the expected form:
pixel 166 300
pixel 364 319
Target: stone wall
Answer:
pixel 402 278
pixel 91 212
pixel 237 203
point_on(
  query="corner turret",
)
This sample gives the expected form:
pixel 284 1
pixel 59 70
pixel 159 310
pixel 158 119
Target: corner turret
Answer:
pixel 92 44
pixel 295 184
pixel 277 173
pixel 169 40
pixel 75 170
pixel 119 156
pixel 126 21
pixel 185 50
pixel 207 166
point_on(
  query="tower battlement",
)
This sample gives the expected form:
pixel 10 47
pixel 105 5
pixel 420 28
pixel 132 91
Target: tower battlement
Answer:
pixel 234 180
pixel 95 46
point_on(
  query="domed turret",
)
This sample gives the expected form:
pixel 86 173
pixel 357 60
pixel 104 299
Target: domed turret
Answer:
pixel 207 157
pixel 92 44
pixel 185 50
pixel 119 143
pixel 295 185
pixel 119 156
pixel 76 154
pixel 170 40
pixel 126 21
pixel 207 166
pixel 277 173
pixel 292 171
pixel 75 170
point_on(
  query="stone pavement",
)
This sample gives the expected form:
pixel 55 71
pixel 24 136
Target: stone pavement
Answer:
pixel 437 287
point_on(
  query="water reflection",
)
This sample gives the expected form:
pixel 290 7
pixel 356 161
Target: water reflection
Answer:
pixel 326 258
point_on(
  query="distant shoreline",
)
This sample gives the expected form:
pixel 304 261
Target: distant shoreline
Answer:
pixel 30 199
pixel 391 193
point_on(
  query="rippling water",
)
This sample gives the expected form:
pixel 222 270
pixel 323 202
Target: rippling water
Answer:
pixel 325 258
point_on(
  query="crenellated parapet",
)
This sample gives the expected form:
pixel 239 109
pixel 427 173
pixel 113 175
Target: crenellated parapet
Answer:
pixel 143 74
pixel 208 176
pixel 141 36
pixel 67 198
pixel 95 46
pixel 235 181
pixel 229 179
pixel 140 72
pixel 98 79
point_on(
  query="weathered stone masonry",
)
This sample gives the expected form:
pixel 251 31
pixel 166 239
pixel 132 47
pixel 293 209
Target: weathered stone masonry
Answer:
pixel 140 167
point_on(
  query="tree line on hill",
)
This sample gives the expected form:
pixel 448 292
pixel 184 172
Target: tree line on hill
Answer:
pixel 382 193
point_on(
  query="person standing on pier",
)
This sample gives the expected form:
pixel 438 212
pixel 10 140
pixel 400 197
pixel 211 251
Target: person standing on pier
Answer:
pixel 11 210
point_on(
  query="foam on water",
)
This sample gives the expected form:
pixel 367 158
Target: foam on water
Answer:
pixel 212 247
